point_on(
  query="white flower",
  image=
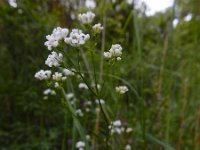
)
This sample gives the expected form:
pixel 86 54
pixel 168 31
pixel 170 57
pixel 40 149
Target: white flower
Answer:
pixel 68 72
pixel 49 92
pixel 58 77
pixel 70 95
pixel 82 86
pixel 54 59
pixel 97 28
pixel 80 145
pixel 119 58
pixel 77 37
pixel 57 34
pixel 107 55
pixel 101 101
pixel 128 147
pixel 128 130
pixel 56 85
pixel 79 112
pixel 117 123
pixel 117 130
pixel 121 89
pixel 116 127
pixel 43 74
pixel 114 52
pixel 87 137
pixel 90 4
pixel 86 17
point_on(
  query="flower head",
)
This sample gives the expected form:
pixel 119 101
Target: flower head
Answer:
pixel 80 145
pixel 56 85
pixel 49 92
pixel 128 130
pixel 86 18
pixel 97 28
pixel 70 95
pixel 121 89
pixel 43 74
pixel 107 55
pixel 117 123
pixel 114 52
pixel 79 113
pixel 68 72
pixel 58 77
pixel 128 147
pixel 82 86
pixel 54 59
pixel 57 34
pixel 116 127
pixel 77 38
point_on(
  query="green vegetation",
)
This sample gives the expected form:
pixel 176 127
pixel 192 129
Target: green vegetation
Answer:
pixel 160 66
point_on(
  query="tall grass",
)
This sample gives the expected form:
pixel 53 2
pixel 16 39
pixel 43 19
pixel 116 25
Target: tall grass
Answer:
pixel 159 66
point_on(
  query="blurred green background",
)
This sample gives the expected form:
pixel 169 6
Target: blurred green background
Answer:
pixel 162 62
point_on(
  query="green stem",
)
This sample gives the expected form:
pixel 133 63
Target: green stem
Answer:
pixel 96 95
pixel 73 136
pixel 103 41
pixel 75 119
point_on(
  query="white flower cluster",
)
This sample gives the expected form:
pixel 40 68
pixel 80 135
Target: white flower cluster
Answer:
pixel 70 95
pixel 128 130
pixel 43 74
pixel 114 52
pixel 56 85
pixel 80 145
pixel 86 18
pixel 58 76
pixel 68 72
pixel 77 38
pixel 79 113
pixel 121 89
pixel 57 34
pixel 83 86
pixel 87 137
pixel 49 92
pixel 116 127
pixel 54 59
pixel 97 28
pixel 128 147
pixel 91 4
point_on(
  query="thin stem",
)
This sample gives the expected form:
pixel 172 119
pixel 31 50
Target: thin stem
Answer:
pixel 86 62
pixel 96 95
pixel 94 72
pixel 103 42
pixel 75 119
pixel 140 74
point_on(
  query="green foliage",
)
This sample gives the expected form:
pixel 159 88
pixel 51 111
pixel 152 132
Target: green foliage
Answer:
pixel 160 66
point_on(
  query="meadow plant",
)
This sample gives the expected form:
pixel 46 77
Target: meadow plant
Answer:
pixel 64 68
